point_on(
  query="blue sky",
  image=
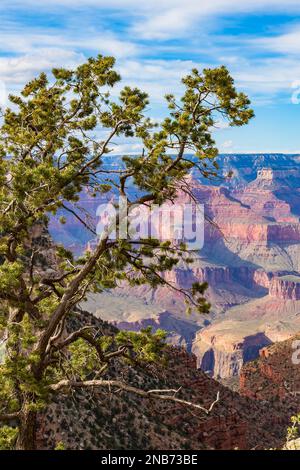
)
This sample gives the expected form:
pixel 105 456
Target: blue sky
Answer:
pixel 157 41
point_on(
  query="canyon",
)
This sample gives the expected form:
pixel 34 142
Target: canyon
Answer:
pixel 250 258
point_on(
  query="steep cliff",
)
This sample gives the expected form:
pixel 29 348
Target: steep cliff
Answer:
pixel 285 287
pixel 222 352
pixel 275 374
pixel 228 343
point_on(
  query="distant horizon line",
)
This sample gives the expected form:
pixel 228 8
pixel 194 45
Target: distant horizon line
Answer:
pixel 291 154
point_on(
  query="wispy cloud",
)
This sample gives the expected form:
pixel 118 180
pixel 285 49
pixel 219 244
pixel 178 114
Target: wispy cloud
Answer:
pixel 156 77
pixel 156 43
pixel 23 40
pixel 159 19
pixel 287 42
pixel 16 70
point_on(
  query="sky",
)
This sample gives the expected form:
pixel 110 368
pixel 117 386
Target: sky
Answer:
pixel 156 42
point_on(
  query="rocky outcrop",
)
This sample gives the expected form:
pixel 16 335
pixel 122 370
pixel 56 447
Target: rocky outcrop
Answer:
pixel 260 196
pixel 223 354
pixel 279 285
pixel 285 287
pixel 214 275
pixel 262 278
pixel 275 374
pixel 263 232
pixel 227 344
pixel 283 233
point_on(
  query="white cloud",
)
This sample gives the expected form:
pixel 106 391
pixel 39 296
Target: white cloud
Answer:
pixel 156 77
pixel 176 18
pixel 227 145
pixel 27 52
pixel 286 43
pixel 170 23
pixel 39 49
pixel 15 71
pixel 160 19
pixel 33 49
pixel 127 148
pixel 268 76
pixel 221 125
pixel 23 40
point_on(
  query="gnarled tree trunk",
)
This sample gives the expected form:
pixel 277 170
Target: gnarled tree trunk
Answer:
pixel 27 431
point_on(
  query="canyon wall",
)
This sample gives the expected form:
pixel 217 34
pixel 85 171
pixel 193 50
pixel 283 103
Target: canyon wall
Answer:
pixel 222 353
pixel 250 259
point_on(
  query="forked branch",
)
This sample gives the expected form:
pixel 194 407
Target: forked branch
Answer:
pixel 163 395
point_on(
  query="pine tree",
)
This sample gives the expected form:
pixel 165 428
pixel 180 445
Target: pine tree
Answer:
pixel 48 155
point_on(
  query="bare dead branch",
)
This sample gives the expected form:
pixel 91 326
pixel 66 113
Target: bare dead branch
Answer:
pixel 7 417
pixel 162 395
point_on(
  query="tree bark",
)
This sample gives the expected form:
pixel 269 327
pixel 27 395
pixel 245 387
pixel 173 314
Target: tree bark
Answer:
pixel 27 431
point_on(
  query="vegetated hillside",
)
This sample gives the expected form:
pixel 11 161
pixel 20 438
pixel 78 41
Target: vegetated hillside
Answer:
pixel 109 420
pixel 275 374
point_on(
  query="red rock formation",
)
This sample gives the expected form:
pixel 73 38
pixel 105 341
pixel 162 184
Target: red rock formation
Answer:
pixel 280 285
pixel 285 288
pixel 246 256
pixel 214 275
pixel 254 214
pixel 222 352
pixel 181 332
pixel 275 374
pixel 259 195
pixel 261 278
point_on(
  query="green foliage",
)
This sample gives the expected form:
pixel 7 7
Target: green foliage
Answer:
pixel 293 431
pixel 83 359
pixel 60 446
pixel 148 347
pixel 10 273
pixel 8 437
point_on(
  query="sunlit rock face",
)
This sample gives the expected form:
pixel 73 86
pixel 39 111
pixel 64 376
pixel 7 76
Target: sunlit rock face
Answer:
pixel 223 355
pixel 285 287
